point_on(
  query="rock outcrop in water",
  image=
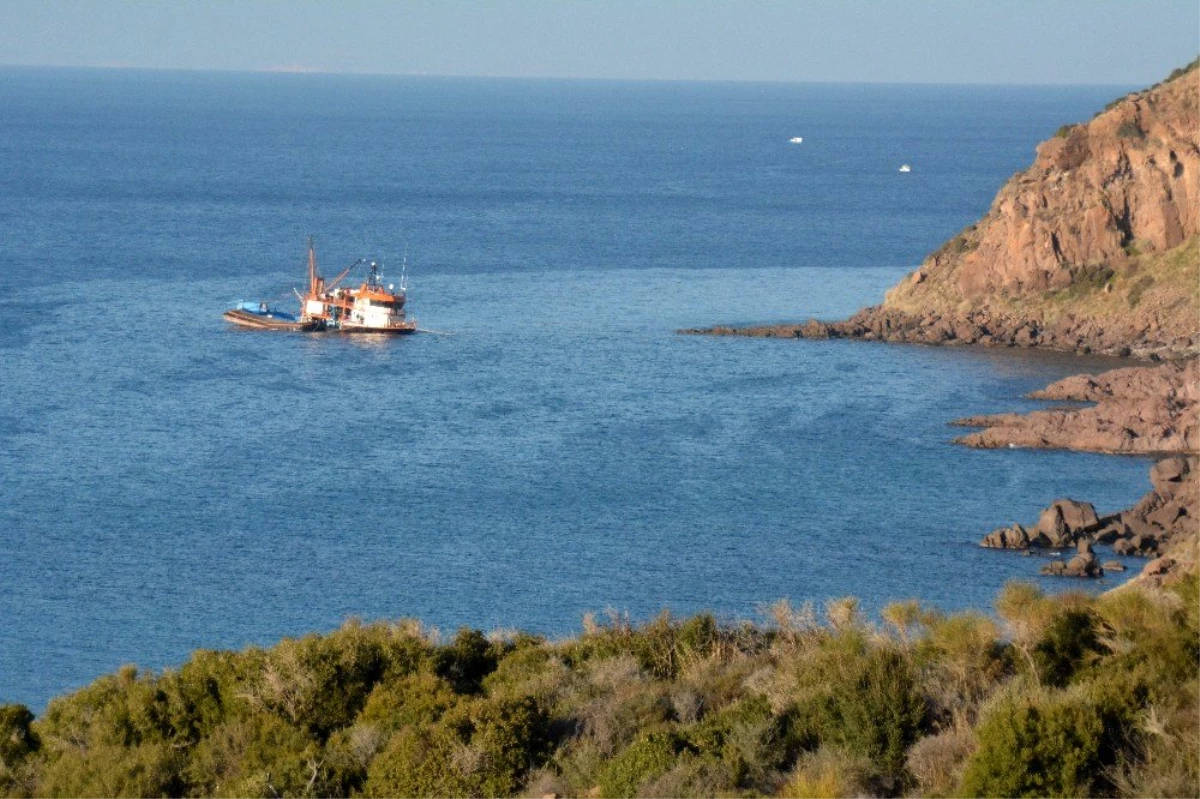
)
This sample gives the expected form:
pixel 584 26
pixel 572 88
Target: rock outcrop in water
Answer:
pixel 1094 248
pixel 1137 410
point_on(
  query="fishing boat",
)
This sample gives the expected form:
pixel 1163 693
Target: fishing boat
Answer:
pixel 371 308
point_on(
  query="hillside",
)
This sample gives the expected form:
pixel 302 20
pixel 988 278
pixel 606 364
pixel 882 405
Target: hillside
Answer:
pixel 1057 696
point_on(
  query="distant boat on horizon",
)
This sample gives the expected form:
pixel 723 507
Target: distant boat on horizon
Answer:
pixel 796 139
pixel 905 168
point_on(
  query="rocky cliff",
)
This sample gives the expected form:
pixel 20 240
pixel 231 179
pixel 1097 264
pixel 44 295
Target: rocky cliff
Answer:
pixel 1095 247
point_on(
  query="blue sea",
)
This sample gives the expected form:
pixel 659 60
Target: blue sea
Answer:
pixel 168 482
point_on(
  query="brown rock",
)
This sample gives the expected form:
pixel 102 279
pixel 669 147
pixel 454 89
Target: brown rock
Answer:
pixel 1165 516
pixel 1082 565
pixel 1141 545
pixel 1138 410
pixel 1167 474
pixel 814 329
pixel 1066 520
pixel 1026 336
pixel 1113 566
pixel 1111 529
pixel 1131 175
pixel 1158 566
pixel 1015 537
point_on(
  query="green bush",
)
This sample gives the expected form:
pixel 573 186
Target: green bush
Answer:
pixel 209 688
pixel 419 761
pixel 508 735
pixel 874 710
pixel 1130 130
pixel 1151 639
pixel 321 682
pixel 662 646
pixel 675 707
pixel 612 702
pixel 123 709
pixel 649 757
pixel 17 739
pixel 481 748
pixel 1050 744
pixel 466 661
pixel 747 739
pixel 259 755
pixel 959 660
pixel 415 699
pixel 518 669
pixel 710 736
pixel 144 769
pixel 1070 643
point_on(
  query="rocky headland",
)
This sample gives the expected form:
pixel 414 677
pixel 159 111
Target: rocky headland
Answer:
pixel 1095 248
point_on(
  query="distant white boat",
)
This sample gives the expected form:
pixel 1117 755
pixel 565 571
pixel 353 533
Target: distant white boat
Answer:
pixel 905 168
pixel 796 139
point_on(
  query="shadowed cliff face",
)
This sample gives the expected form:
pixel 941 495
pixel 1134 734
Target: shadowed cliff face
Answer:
pixel 1101 200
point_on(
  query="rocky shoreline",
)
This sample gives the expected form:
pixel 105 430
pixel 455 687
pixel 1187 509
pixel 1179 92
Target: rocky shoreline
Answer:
pixel 1137 410
pixel 983 328
pixel 1094 249
pixel 1162 526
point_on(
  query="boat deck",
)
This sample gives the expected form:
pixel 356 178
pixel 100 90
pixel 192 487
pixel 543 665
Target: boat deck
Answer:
pixel 264 322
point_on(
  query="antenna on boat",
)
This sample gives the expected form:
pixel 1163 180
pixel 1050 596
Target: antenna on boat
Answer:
pixel 312 267
pixel 404 270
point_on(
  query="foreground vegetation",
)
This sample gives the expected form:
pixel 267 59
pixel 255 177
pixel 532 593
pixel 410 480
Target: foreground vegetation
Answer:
pixel 1062 696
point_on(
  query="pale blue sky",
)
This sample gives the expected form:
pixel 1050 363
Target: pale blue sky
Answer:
pixel 938 41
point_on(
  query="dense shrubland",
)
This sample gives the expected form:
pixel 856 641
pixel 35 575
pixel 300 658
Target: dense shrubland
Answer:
pixel 1058 696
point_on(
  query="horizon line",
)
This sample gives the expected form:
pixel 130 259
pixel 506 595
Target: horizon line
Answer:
pixel 302 70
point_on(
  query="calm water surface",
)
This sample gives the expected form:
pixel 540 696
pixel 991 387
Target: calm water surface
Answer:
pixel 167 482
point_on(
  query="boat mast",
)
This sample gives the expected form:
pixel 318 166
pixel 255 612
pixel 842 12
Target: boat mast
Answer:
pixel 312 268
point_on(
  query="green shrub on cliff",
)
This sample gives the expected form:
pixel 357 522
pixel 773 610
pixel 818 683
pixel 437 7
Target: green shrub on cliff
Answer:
pixel 868 707
pixel 645 759
pixel 1179 72
pixel 17 740
pixel 1049 744
pixel 419 761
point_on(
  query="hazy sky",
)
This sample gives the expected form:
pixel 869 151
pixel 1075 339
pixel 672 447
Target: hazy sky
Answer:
pixel 939 41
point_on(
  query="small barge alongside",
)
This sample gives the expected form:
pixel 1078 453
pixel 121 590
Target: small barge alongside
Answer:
pixel 370 308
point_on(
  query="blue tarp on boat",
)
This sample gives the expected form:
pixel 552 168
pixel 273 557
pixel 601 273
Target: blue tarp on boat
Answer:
pixel 262 309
